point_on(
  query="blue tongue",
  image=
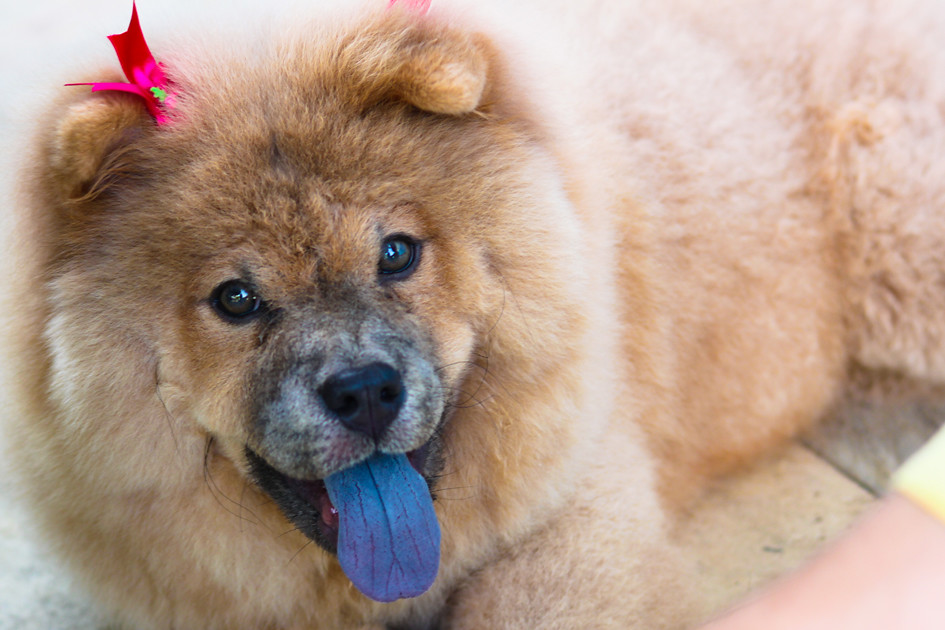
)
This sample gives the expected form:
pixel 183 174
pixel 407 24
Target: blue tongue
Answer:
pixel 388 535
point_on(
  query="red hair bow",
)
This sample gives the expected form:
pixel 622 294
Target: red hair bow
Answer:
pixel 146 78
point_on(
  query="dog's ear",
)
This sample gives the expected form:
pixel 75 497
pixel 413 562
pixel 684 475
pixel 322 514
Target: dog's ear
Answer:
pixel 85 144
pixel 446 74
pixel 431 65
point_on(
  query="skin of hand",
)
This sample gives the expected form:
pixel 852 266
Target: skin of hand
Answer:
pixel 887 572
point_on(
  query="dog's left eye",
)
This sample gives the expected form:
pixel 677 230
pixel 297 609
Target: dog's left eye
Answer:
pixel 398 256
pixel 236 301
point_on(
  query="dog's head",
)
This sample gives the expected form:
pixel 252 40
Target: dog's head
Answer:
pixel 310 260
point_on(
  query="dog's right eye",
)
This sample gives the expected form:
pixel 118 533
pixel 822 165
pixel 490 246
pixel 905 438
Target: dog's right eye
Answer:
pixel 236 301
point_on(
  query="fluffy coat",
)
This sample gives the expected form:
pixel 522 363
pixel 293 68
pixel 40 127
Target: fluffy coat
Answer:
pixel 656 237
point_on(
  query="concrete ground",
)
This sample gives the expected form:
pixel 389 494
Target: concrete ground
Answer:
pixel 748 531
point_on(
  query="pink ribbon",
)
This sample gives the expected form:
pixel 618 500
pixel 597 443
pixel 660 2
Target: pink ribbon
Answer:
pixel 146 78
pixel 419 6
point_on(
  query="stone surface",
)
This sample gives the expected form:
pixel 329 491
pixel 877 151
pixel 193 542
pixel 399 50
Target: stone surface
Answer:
pixel 764 522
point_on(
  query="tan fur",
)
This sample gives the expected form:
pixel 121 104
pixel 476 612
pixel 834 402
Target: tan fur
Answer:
pixel 656 237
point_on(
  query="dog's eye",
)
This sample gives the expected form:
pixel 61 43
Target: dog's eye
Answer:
pixel 236 301
pixel 398 256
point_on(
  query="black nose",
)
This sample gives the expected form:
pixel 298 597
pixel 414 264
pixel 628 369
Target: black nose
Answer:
pixel 365 399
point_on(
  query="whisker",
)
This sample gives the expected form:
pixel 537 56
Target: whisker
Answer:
pixel 458 398
pixel 518 307
pixel 470 363
pixel 243 505
pixel 168 417
pixel 440 490
pixel 452 399
pixel 301 549
pixel 291 530
pixel 479 386
pixel 468 497
pixel 217 493
pixel 466 404
pixel 498 318
pixel 452 488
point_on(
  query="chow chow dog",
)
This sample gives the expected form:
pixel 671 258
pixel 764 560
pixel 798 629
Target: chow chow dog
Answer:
pixel 417 318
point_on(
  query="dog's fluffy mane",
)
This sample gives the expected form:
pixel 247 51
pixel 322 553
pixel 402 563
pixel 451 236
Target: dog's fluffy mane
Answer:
pixel 661 235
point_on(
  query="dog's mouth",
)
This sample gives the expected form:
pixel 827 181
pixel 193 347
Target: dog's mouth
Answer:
pixel 306 503
pixel 376 515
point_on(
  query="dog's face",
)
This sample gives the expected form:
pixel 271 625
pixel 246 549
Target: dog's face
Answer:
pixel 311 259
pixel 305 252
pixel 320 275
pixel 334 356
pixel 327 332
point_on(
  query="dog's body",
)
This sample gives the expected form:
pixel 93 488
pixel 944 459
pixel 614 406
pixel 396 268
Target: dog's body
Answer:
pixel 648 242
